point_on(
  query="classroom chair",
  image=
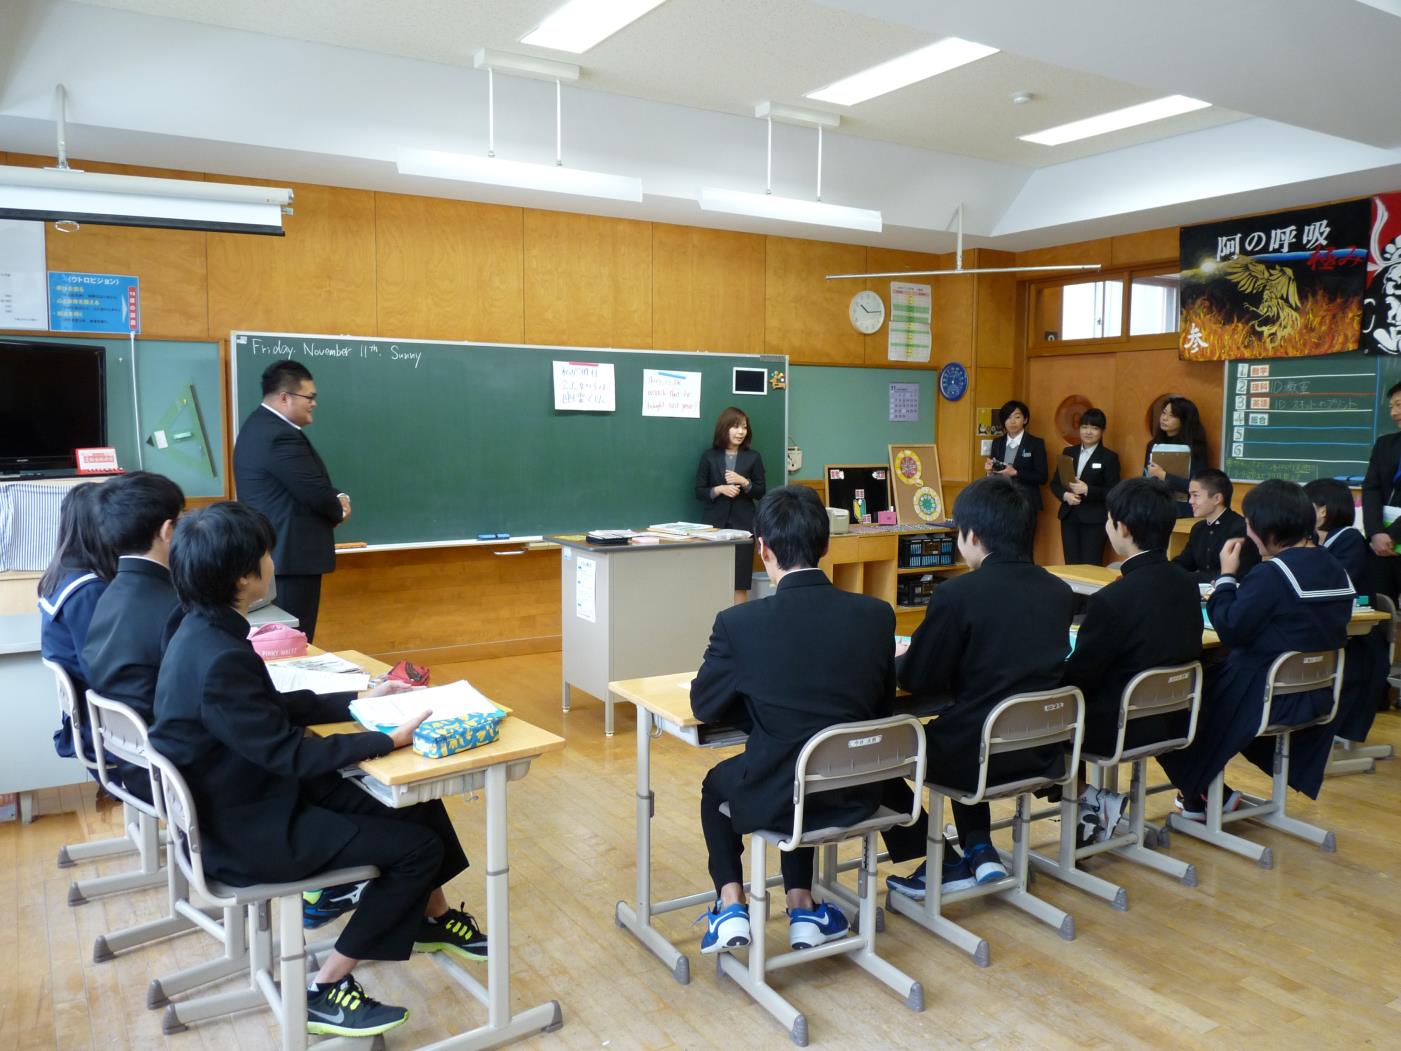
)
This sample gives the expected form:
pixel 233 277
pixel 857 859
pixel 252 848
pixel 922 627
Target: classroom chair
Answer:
pixel 839 757
pixel 1022 722
pixel 1355 757
pixel 141 831
pixel 1292 672
pixel 1152 692
pixel 285 991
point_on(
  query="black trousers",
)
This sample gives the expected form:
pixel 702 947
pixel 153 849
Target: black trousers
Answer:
pixel 1083 543
pixel 1385 574
pixel 725 847
pixel 301 597
pixel 415 849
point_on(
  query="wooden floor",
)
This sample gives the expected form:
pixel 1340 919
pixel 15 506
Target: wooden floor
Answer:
pixel 1303 956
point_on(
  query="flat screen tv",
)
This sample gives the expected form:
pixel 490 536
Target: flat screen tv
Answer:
pixel 53 399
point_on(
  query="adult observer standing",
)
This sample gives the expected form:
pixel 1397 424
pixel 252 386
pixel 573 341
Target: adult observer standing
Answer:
pixel 730 482
pixel 277 471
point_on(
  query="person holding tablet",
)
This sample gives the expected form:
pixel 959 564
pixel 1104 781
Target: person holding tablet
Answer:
pixel 1179 423
pixel 1081 512
pixel 730 482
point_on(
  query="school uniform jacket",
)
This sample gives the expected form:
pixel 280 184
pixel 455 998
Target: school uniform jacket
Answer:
pixel 242 749
pixel 1368 662
pixel 1001 629
pixel 1202 555
pixel 64 617
pixel 1030 465
pixel 1299 600
pixel 1100 474
pixel 1149 618
pixel 1379 485
pixel 785 667
pixel 726 512
pixel 277 470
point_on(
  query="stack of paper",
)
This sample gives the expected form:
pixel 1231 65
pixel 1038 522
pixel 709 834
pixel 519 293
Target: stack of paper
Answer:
pixel 293 674
pixel 680 528
pixel 456 700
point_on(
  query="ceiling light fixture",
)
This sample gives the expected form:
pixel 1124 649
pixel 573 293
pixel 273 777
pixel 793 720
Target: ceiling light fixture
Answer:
pixel 1117 120
pixel 767 205
pixel 930 61
pixel 580 24
pixel 493 171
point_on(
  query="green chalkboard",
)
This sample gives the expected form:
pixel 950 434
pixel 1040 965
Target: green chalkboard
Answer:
pixel 438 441
pixel 1305 418
pixel 181 408
pixel 842 415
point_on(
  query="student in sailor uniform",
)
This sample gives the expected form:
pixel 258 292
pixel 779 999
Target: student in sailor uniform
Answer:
pixel 1022 455
pixel 68 593
pixel 1298 598
pixel 1081 512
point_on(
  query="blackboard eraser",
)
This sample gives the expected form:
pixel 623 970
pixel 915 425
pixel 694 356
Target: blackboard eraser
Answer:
pixel 493 536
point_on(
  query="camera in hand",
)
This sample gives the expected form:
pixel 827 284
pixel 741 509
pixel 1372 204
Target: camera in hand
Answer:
pixel 998 465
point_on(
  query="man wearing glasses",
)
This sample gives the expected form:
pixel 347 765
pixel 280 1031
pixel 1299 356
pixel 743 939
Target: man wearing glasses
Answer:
pixel 277 471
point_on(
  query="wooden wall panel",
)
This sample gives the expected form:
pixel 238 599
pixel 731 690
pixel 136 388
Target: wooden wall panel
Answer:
pixel 707 290
pixel 588 280
pixel 1150 246
pixel 448 269
pixel 805 316
pixel 996 311
pixel 1100 252
pixel 320 277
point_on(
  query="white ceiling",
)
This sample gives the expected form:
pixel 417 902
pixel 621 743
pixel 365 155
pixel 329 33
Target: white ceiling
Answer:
pixel 330 90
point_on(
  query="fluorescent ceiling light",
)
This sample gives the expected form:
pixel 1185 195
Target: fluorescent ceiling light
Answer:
pixel 494 171
pixel 947 54
pixel 1129 117
pixel 790 209
pixel 580 24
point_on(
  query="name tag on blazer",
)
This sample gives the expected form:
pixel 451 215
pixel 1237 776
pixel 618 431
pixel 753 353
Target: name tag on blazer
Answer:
pixel 1026 452
pixel 1095 466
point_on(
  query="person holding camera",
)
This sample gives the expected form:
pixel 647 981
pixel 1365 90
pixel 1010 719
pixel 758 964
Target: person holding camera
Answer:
pixel 1018 456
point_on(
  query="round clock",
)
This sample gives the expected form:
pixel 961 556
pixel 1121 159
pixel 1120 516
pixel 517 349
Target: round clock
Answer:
pixel 867 312
pixel 953 381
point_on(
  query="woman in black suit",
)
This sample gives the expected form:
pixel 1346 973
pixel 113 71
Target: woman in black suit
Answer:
pixel 1017 455
pixel 730 481
pixel 1082 512
pixel 1178 424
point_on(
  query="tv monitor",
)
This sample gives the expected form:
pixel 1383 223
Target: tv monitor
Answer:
pixel 53 399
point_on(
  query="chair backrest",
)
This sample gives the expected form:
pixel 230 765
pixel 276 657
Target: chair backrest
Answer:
pixel 1158 691
pixel 1383 604
pixel 1026 721
pixel 71 705
pixel 182 824
pixel 1302 672
pixel 118 731
pixel 860 753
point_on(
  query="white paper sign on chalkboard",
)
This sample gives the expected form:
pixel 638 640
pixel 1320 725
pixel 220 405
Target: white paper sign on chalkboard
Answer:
pixel 582 386
pixel 668 393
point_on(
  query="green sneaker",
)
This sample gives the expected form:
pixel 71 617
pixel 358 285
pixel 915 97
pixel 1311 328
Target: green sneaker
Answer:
pixel 343 1009
pixel 454 932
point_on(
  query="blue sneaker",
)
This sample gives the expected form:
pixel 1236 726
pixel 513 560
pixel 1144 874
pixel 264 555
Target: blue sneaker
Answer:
pixel 985 863
pixel 725 928
pixel 320 907
pixel 809 927
pixel 956 876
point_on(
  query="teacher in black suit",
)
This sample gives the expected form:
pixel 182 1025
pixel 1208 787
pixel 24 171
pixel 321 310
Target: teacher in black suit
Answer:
pixel 1082 512
pixel 1381 487
pixel 1018 456
pixel 730 482
pixel 277 471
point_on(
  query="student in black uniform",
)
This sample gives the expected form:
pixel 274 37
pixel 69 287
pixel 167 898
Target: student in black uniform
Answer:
pixel 1149 618
pixel 272 805
pixel 1298 598
pixel 1381 488
pixel 1179 423
pixel 1021 456
pixel 1209 494
pixel 1081 511
pixel 999 630
pixel 138 612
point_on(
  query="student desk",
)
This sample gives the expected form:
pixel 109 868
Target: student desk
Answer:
pixel 404 778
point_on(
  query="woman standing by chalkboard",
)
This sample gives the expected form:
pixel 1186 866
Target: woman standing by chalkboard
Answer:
pixel 730 481
pixel 1178 424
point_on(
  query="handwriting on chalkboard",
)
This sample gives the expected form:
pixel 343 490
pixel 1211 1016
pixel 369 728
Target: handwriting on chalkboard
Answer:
pixel 583 386
pixel 276 347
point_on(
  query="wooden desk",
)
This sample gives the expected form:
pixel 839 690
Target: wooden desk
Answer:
pixel 404 778
pixel 1084 580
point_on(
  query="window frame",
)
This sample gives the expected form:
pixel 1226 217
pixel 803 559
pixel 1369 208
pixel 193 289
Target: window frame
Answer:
pixel 1038 346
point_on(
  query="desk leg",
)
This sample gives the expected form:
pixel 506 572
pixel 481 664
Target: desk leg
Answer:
pixel 638 919
pixel 564 699
pixel 26 807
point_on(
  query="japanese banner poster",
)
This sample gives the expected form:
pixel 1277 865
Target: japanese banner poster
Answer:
pixel 1275 286
pixel 1381 305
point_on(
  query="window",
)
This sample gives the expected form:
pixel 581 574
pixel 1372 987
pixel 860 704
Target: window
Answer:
pixel 1138 308
pixel 1092 310
pixel 1153 304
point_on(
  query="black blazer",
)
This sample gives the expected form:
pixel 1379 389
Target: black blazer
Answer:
pixel 1148 618
pixel 277 471
pixel 1202 555
pixel 133 621
pixel 1030 465
pixel 723 511
pixel 1101 474
pixel 241 747
pixel 805 658
pixel 1378 486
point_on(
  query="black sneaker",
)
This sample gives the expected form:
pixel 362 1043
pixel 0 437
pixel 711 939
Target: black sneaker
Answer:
pixel 320 907
pixel 343 1009
pixel 454 932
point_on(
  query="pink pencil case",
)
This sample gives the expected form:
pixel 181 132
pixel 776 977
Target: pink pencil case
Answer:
pixel 275 641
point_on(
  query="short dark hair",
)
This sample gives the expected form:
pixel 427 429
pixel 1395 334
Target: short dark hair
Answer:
pixel 732 417
pixel 1145 506
pixel 284 376
pixel 80 547
pixel 1011 407
pixel 1335 498
pixel 1001 517
pixel 1279 512
pixel 1093 418
pixel 134 507
pixel 213 548
pixel 1216 482
pixel 793 525
pixel 1393 390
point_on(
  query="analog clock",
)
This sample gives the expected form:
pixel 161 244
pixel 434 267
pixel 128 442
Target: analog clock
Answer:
pixel 867 312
